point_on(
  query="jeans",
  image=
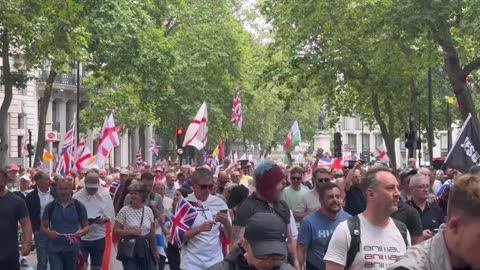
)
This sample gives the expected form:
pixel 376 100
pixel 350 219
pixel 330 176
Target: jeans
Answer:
pixel 161 262
pixel 63 260
pixel 41 242
pixel 95 249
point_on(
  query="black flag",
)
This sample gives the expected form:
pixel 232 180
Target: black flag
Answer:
pixel 464 153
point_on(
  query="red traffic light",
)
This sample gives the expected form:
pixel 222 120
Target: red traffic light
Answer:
pixel 179 131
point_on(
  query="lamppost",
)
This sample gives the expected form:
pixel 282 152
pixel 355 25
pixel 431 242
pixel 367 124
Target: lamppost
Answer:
pixel 78 104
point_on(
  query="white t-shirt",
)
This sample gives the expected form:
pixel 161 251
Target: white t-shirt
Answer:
pixel 204 249
pixel 98 205
pixel 131 218
pixel 45 198
pixel 379 248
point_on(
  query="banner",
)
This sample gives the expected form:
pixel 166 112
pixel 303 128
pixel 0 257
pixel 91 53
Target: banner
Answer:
pixel 464 153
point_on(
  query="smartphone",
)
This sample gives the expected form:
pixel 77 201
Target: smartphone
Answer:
pixel 94 219
pixel 224 211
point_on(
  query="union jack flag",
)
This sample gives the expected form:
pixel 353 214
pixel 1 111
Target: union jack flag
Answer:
pixel 237 117
pixel 154 148
pixel 138 158
pixel 66 161
pixel 185 215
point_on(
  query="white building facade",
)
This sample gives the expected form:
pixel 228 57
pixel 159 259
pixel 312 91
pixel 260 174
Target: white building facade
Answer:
pixel 358 136
pixel 24 111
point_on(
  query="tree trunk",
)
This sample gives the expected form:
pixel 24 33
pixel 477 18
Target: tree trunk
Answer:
pixel 7 99
pixel 456 74
pixel 141 141
pixel 42 117
pixel 387 136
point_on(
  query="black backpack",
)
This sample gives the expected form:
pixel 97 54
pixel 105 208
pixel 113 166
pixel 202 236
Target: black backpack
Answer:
pixel 354 228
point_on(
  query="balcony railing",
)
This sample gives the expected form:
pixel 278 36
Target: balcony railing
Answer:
pixel 67 79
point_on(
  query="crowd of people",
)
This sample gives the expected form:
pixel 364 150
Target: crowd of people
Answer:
pixel 267 216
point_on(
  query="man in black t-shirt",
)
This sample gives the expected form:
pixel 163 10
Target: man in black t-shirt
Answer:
pixel 355 202
pixel 408 215
pixel 12 211
pixel 268 182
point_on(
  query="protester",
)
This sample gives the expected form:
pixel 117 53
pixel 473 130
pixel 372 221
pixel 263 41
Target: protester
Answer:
pixel 411 218
pixel 173 252
pixel 22 193
pixel 317 227
pixel 263 247
pixel 405 177
pixel 235 177
pixel 99 205
pixel 430 214
pixel 13 183
pixel 310 202
pixel 153 200
pixel 354 197
pixel 204 248
pixel 137 220
pixel 64 221
pixel 237 195
pixel 36 202
pixel 455 245
pixel 13 210
pixel 293 193
pixel 222 181
pixel 119 189
pixel 356 241
pixel 170 184
pixel 266 199
pixel 159 176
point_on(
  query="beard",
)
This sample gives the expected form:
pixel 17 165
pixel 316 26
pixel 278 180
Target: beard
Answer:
pixel 334 209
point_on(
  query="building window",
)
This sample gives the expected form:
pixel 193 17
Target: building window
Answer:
pixel 19 146
pixel 366 142
pixel 378 140
pixel 444 144
pixel 22 91
pixel 21 121
pixel 352 142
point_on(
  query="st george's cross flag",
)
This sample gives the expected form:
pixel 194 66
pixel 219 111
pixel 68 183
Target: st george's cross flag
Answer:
pixel 464 153
pixel 197 132
pixel 237 116
pixel 108 140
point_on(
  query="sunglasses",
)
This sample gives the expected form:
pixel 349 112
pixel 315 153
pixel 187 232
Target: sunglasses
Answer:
pixel 275 257
pixel 295 178
pixel 323 180
pixel 204 187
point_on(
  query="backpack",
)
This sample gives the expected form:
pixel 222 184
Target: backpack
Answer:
pixel 354 228
pixel 77 205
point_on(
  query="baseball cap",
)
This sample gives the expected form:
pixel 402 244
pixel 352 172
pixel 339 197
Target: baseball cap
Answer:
pixel 92 185
pixel 12 167
pixel 124 171
pixel 266 233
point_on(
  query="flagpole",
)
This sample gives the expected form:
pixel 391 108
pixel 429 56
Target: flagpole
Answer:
pixel 78 103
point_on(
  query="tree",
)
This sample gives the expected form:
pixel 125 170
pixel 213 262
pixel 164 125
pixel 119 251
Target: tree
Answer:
pixel 452 25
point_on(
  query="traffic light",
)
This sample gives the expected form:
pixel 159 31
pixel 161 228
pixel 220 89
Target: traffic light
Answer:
pixel 410 140
pixel 180 134
pixel 337 145
pixel 30 150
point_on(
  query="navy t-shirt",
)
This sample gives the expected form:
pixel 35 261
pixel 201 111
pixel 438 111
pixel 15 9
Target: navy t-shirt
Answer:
pixel 12 209
pixel 66 221
pixel 355 201
pixel 314 233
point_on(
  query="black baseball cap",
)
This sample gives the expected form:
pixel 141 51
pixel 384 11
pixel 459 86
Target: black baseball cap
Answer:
pixel 266 233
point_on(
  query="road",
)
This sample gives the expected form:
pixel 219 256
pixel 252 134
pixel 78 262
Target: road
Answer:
pixel 32 261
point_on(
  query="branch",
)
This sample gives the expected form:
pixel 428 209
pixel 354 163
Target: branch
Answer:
pixel 471 67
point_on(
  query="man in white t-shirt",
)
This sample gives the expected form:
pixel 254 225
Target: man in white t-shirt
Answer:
pixel 382 240
pixel 99 205
pixel 202 247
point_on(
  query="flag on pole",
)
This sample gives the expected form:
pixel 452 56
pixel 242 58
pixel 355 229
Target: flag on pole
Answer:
pixel 66 159
pixel 237 117
pixel 381 153
pixel 185 215
pixel 154 148
pixel 215 152
pixel 108 140
pixel 221 153
pixel 25 148
pixel 197 132
pixel 138 158
pixel 85 160
pixel 292 140
pixel 464 153
pixel 47 156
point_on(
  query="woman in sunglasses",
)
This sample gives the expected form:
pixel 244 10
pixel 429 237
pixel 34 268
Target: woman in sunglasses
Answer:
pixel 203 247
